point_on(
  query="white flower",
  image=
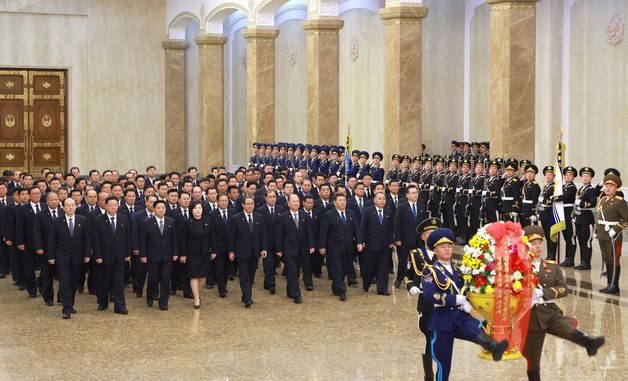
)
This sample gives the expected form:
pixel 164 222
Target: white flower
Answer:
pixel 517 275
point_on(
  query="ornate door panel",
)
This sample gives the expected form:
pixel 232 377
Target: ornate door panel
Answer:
pixel 47 119
pixel 32 120
pixel 13 119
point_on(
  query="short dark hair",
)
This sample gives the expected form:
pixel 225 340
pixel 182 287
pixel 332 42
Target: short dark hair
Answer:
pixel 111 198
pixel 159 202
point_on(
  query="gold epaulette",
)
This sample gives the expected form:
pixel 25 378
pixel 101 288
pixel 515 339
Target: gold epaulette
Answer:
pixel 551 261
pixel 443 287
pixel 619 197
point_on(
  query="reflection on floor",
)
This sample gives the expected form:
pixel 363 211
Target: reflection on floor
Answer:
pixel 368 337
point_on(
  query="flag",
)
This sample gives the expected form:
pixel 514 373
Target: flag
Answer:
pixel 558 211
pixel 348 151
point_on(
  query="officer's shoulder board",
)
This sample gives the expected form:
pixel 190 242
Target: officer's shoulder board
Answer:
pixel 551 262
pixel 619 198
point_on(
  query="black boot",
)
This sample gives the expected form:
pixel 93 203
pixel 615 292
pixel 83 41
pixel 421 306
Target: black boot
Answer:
pixel 592 344
pixel 614 281
pixel 497 349
pixel 534 375
pixel 427 367
pixel 609 276
pixel 568 262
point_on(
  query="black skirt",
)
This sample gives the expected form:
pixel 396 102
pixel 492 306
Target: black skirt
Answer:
pixel 197 265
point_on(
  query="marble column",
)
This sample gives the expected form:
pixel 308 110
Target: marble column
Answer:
pixel 260 86
pixel 211 76
pixel 513 43
pixel 175 104
pixel 322 80
pixel 402 90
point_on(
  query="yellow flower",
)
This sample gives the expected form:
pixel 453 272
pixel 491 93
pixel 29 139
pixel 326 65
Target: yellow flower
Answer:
pixel 467 278
pixel 516 285
pixel 488 290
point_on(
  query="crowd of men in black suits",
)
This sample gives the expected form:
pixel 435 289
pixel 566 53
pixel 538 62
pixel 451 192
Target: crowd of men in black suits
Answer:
pixel 114 230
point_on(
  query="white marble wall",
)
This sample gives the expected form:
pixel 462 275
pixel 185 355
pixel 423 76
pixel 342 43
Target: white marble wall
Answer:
pixel 362 80
pixel 192 91
pixel 443 74
pixel 291 83
pixel 112 51
pixel 480 76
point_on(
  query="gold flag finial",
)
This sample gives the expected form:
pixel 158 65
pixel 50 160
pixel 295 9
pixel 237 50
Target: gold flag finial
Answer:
pixel 560 134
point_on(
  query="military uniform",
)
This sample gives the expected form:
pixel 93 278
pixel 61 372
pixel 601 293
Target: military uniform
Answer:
pixel 426 184
pixel 475 203
pixel 436 193
pixel 612 219
pixel 530 192
pixel 393 173
pixel 545 210
pixel 547 317
pixel 448 202
pixel 493 187
pixel 569 235
pixel 510 196
pixel 586 202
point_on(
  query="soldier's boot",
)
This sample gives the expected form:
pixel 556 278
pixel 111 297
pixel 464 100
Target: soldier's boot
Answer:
pixel 534 375
pixel 427 367
pixel 591 343
pixel 614 282
pixel 497 349
pixel 609 276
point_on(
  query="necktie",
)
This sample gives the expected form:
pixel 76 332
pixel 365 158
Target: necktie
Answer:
pixel 309 214
pixel 161 226
pixel 395 201
pixel 3 203
pixel 324 204
pixel 214 207
pixel 414 211
pixel 368 193
pixel 71 227
pixel 113 225
pixel 131 210
pixel 185 214
pixel 224 216
pixel 141 193
pixel 36 208
pixel 381 217
pixel 150 215
pixel 342 215
pixel 54 214
pixel 272 211
pixel 360 204
pixel 251 223
pixel 296 219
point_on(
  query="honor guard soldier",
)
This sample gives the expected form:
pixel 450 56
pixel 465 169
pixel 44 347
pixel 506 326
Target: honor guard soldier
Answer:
pixel 417 260
pixel 323 163
pixel 511 193
pixel 545 209
pixel 612 219
pixel 437 188
pixel 448 200
pixel 492 190
pixel 416 172
pixel 404 172
pixel 426 182
pixel 586 202
pixel 530 193
pixel 523 164
pixel 476 199
pixel 254 155
pixel 485 156
pixel 393 172
pixel 377 172
pixel 441 284
pixel 335 163
pixel 568 198
pixel 462 200
pixel 546 316
pixel 455 151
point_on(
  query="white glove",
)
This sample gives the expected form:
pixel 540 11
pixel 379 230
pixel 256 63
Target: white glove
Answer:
pixel 470 191
pixel 612 233
pixel 414 290
pixel 461 299
pixel 483 193
pixel 541 198
pixel 538 293
pixel 466 307
pixel 578 201
pixel 534 218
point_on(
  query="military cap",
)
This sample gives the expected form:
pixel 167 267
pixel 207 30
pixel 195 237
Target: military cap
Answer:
pixel 466 162
pixel 524 163
pixel 570 169
pixel 513 160
pixel 427 159
pixel 405 157
pixel 416 159
pixel 495 163
pixel 531 168
pixel 587 171
pixel 396 156
pixel 378 154
pixel 315 148
pixel 355 152
pixel 300 146
pixel 511 165
pixel 612 179
pixel 255 145
pixel 447 157
pixel 455 143
pixel 484 144
pixel 282 147
pixel 439 159
pixel 500 160
pixel 534 232
pixel 334 150
pixel 428 224
pixel 364 154
pixel 450 162
pixel 548 168
pixel 612 171
pixel 307 147
pixel 440 236
pixel 475 144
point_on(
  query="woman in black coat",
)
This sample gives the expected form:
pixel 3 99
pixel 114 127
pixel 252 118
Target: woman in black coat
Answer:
pixel 197 246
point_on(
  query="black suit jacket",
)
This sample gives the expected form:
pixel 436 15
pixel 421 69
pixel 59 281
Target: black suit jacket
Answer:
pixel 352 204
pixel 25 222
pixel 221 230
pixel 375 236
pixel 336 236
pixel 318 205
pixel 317 218
pixel 65 248
pixel 124 209
pixel 107 246
pixel 290 240
pixel 155 246
pixel 41 228
pixel 405 225
pixel 136 220
pixel 197 236
pixel 9 217
pixel 242 241
pixel 270 224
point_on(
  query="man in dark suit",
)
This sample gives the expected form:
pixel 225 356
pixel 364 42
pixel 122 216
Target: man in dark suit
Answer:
pixel 69 246
pixel 8 235
pixel 128 205
pixel 376 235
pixel 316 216
pixel 220 223
pixel 407 219
pixel 41 232
pixel 112 249
pixel 139 269
pixel 270 213
pixel 295 244
pixel 5 202
pixel 180 278
pixel 359 202
pixel 338 240
pixel 247 241
pixel 25 240
pixel 158 249
pixel 323 204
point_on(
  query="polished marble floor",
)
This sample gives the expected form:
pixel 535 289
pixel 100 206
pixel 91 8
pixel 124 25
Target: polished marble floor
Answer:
pixel 368 337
